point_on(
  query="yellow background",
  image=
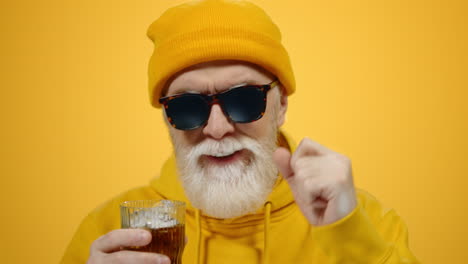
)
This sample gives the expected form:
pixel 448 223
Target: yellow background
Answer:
pixel 383 82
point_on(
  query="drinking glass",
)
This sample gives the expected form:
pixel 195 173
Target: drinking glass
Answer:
pixel 165 219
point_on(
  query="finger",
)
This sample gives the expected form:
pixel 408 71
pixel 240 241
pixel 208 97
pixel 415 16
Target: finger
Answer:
pixel 119 238
pixel 308 147
pixel 129 257
pixel 282 158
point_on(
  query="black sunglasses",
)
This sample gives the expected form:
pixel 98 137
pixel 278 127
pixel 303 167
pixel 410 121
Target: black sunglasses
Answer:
pixel 242 104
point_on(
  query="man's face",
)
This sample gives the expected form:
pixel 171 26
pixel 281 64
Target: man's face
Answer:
pixel 226 168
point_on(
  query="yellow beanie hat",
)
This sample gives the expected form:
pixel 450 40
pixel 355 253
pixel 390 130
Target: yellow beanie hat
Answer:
pixel 209 30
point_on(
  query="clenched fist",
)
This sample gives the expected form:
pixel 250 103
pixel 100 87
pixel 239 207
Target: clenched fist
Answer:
pixel 320 179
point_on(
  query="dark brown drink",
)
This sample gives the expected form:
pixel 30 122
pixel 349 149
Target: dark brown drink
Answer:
pixel 169 241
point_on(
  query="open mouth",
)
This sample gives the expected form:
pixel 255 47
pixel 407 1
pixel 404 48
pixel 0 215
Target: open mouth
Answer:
pixel 224 159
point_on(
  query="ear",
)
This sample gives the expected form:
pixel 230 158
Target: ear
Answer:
pixel 283 106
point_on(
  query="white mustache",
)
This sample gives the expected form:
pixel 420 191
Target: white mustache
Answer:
pixel 225 147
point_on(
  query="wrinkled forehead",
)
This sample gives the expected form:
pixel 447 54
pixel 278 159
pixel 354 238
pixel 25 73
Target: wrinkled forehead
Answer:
pixel 216 76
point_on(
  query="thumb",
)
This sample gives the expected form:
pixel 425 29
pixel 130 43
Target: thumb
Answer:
pixel 282 158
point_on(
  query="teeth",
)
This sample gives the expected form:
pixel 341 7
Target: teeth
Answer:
pixel 220 155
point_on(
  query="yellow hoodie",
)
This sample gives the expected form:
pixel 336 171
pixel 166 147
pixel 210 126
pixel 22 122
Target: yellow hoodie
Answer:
pixel 276 233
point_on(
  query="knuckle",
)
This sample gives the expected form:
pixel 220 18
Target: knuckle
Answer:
pixel 343 158
pixel 341 180
pixel 111 236
pixel 93 246
pixel 346 166
pixel 96 243
pixel 309 143
pixel 303 142
pixel 306 144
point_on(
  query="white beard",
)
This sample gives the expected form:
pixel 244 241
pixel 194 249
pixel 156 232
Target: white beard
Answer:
pixel 232 190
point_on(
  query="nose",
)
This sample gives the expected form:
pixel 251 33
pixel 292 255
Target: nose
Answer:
pixel 218 125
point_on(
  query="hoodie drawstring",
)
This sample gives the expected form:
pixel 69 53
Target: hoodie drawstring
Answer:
pixel 198 223
pixel 266 239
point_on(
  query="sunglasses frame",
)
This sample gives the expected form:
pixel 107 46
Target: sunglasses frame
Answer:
pixel 212 99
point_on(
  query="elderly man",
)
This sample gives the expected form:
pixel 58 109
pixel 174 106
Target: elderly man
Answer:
pixel 223 78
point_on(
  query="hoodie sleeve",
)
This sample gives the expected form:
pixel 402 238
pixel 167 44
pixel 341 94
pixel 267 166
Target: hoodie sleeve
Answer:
pixel 369 234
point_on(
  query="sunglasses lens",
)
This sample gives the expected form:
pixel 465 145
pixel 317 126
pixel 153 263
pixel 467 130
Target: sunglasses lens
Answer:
pixel 187 112
pixel 244 104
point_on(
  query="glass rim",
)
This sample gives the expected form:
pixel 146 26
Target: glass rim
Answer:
pixel 137 204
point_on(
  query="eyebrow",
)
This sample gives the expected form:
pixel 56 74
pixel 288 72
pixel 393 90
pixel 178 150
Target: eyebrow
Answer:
pixel 238 83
